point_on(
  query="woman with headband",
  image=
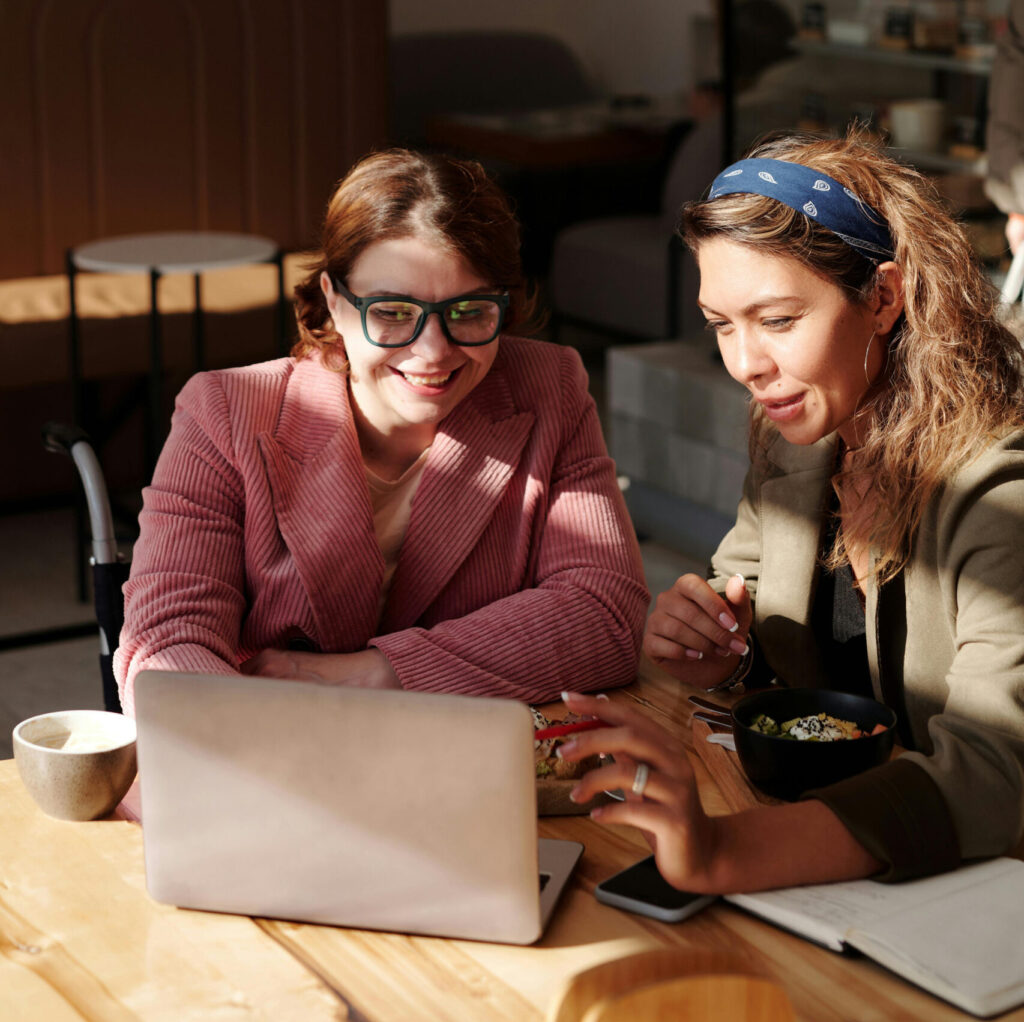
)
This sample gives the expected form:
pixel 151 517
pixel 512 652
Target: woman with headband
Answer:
pixel 877 546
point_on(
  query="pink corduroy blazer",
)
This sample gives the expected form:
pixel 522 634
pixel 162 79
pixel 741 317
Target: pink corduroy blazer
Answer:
pixel 519 574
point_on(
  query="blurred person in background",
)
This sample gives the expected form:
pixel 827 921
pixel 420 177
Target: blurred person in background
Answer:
pixel 1005 182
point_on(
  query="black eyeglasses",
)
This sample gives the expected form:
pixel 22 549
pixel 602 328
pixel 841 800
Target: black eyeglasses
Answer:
pixel 393 321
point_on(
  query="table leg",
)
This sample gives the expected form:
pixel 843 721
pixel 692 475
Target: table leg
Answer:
pixel 74 345
pixel 198 328
pixel 155 417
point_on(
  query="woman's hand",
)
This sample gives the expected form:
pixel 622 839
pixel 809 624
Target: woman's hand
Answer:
pixel 1015 231
pixel 667 808
pixel 771 846
pixel 368 668
pixel 697 635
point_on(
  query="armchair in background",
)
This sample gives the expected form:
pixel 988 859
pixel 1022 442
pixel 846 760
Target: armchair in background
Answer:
pixel 437 73
pixel 629 276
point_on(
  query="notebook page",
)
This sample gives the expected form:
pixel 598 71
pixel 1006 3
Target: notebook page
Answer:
pixel 967 946
pixel 827 912
pixel 821 912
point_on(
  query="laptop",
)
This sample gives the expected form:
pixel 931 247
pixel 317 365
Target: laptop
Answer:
pixel 388 810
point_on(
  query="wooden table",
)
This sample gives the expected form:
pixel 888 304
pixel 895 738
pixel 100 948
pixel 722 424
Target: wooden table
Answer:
pixel 81 939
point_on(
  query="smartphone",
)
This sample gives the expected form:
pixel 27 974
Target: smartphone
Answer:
pixel 642 889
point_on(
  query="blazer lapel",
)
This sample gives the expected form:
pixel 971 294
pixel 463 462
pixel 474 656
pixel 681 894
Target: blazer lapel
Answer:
pixel 322 505
pixel 471 462
pixel 791 505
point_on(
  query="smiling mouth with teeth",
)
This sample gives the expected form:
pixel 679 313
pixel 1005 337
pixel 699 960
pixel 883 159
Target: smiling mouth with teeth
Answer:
pixel 427 381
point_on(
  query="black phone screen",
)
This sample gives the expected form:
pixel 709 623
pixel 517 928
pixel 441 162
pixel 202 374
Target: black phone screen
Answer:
pixel 644 883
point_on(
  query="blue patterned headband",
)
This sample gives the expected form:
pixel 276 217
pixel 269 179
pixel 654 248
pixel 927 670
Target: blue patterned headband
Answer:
pixel 814 194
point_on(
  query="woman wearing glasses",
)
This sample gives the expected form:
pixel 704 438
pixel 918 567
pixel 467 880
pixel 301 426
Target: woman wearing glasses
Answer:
pixel 877 547
pixel 415 498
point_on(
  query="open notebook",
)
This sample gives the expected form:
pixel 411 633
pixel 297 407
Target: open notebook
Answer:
pixel 387 810
pixel 959 935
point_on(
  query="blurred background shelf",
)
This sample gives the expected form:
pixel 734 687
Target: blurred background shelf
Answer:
pixel 903 58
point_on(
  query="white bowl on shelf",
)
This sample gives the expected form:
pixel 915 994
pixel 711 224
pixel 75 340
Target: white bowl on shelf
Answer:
pixel 918 124
pixel 847 33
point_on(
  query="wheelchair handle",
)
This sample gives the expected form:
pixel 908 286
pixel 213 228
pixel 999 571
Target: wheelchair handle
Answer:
pixel 74 441
pixel 59 438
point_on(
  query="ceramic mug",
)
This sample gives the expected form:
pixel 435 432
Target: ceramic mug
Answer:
pixel 76 764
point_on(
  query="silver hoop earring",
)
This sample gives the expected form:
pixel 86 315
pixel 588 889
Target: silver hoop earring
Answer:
pixel 867 351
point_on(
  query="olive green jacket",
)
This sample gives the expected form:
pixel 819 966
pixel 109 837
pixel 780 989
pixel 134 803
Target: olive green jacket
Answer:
pixel 945 643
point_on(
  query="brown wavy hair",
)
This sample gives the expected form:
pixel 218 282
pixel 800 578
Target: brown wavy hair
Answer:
pixel 954 375
pixel 399 193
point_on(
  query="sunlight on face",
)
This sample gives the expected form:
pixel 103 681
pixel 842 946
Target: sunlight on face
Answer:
pixel 791 337
pixel 409 389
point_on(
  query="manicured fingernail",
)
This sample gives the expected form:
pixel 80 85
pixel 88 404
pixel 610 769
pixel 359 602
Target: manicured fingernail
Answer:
pixel 573 794
pixel 601 695
pixel 565 696
pixel 565 747
pixel 728 622
pixel 723 652
pixel 743 581
pixel 738 646
pixel 695 654
pixel 596 814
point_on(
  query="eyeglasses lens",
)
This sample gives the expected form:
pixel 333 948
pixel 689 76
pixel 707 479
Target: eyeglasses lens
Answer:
pixel 468 321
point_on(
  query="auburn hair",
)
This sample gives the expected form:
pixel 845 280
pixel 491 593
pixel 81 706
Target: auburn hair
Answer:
pixel 399 193
pixel 954 376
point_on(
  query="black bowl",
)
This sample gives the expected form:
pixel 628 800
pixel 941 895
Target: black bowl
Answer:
pixel 786 768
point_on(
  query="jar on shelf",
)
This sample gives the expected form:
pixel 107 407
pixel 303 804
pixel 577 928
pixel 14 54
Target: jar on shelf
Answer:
pixel 813 115
pixel 968 137
pixel 898 27
pixel 812 21
pixel 974 33
pixel 865 115
pixel 935 26
pixel 849 22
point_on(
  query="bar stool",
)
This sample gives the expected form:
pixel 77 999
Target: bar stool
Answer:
pixel 159 254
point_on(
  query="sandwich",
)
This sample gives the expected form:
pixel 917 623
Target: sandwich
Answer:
pixel 548 766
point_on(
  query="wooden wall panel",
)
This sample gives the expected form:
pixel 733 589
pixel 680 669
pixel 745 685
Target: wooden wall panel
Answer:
pixel 119 116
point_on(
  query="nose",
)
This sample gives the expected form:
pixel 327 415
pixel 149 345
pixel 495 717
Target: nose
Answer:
pixel 745 356
pixel 431 345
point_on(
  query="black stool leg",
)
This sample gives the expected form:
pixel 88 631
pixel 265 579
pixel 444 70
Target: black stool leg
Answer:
pixel 77 419
pixel 282 318
pixel 155 418
pixel 198 329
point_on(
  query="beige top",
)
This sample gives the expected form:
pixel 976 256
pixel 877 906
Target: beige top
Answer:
pixel 391 501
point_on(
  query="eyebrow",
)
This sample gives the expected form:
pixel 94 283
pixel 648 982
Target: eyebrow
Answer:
pixel 761 303
pixel 386 293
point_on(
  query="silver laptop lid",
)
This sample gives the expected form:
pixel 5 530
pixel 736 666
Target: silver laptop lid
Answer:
pixel 388 810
